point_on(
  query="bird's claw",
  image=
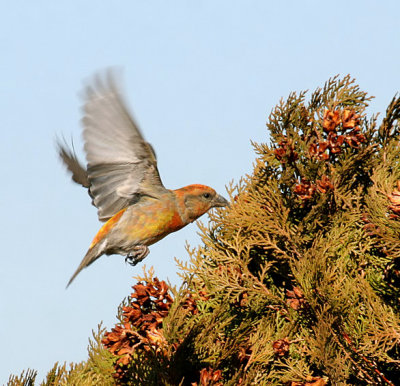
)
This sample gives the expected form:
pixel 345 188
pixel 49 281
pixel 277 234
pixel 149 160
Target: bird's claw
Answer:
pixel 138 253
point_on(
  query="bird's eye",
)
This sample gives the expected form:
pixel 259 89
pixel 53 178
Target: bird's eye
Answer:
pixel 206 195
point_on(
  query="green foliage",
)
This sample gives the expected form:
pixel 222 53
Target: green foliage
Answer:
pixel 25 379
pixel 97 370
pixel 308 251
pixel 296 283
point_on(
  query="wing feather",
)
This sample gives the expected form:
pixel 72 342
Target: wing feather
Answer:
pixel 121 165
pixel 68 156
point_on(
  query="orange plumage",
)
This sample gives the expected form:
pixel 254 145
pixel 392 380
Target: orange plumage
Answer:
pixel 124 183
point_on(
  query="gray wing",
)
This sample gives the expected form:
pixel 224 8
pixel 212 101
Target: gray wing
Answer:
pixel 121 165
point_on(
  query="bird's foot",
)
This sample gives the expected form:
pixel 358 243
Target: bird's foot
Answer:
pixel 138 253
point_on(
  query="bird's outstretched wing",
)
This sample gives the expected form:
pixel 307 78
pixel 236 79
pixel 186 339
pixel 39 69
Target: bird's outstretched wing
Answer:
pixel 121 165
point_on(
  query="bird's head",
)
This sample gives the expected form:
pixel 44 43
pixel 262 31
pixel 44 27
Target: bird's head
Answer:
pixel 198 199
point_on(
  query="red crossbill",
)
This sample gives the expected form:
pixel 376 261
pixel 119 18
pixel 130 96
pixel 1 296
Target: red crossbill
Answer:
pixel 123 181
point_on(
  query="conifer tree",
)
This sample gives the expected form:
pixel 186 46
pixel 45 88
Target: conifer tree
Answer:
pixel 297 282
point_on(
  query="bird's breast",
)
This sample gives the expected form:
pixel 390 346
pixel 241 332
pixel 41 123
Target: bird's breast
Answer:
pixel 107 227
pixel 151 222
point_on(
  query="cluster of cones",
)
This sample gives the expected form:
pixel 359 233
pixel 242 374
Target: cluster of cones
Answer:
pixel 339 129
pixel 141 327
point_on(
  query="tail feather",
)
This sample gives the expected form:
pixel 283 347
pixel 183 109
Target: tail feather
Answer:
pixel 92 255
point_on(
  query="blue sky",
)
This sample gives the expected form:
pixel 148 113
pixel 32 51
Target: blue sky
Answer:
pixel 201 78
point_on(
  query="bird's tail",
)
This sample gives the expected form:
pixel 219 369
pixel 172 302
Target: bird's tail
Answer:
pixel 91 255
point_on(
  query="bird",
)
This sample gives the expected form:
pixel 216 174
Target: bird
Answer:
pixel 123 180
